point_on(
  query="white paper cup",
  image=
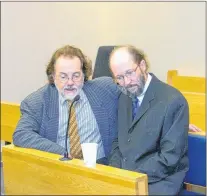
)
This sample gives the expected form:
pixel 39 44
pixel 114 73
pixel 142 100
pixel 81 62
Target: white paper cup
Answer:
pixel 89 153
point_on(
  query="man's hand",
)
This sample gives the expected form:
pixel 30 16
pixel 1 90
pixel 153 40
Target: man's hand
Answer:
pixel 193 128
pixel 69 156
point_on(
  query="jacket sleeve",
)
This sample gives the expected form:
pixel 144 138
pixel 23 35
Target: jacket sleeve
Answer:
pixel 107 84
pixel 114 158
pixel 173 143
pixel 27 131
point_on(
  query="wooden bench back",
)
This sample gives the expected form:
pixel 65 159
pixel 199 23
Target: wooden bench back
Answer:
pixel 193 89
pixel 10 115
pixel 29 171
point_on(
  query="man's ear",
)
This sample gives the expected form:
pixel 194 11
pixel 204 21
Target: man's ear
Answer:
pixel 143 66
pixel 52 76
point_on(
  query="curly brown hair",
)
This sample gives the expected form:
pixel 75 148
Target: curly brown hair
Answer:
pixel 69 51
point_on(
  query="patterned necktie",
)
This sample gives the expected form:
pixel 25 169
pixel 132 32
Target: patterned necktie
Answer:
pixel 75 145
pixel 135 106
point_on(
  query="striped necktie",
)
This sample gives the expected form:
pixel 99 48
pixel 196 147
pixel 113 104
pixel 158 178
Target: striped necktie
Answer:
pixel 75 145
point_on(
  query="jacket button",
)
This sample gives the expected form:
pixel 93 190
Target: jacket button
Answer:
pixel 125 159
pixel 129 140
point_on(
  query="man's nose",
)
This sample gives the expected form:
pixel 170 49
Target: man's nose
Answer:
pixel 70 81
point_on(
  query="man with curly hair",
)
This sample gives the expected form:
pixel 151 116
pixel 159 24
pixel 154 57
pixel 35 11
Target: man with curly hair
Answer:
pixel 44 119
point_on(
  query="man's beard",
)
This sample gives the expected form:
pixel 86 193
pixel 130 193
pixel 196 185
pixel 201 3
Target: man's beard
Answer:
pixel 67 96
pixel 140 88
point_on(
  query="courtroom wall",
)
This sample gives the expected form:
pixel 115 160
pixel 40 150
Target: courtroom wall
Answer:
pixel 171 34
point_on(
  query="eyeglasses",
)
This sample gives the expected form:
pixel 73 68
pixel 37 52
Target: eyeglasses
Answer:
pixel 76 77
pixel 129 74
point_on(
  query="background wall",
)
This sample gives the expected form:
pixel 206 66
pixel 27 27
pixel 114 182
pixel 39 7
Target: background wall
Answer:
pixel 172 34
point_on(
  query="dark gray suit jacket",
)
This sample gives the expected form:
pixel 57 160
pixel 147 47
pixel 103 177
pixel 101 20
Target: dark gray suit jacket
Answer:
pixel 156 142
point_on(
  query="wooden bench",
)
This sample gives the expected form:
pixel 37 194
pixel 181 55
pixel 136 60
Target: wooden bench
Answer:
pixel 29 171
pixel 186 83
pixel 197 105
pixel 10 115
pixel 193 89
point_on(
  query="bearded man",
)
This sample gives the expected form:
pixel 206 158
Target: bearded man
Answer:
pixel 153 123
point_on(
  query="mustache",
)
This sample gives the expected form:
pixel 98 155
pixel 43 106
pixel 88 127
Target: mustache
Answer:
pixel 70 88
pixel 131 85
pixel 127 91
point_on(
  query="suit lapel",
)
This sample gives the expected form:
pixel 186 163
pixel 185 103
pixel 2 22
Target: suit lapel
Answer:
pixel 145 105
pixel 143 108
pixel 125 111
pixel 53 113
pixel 53 109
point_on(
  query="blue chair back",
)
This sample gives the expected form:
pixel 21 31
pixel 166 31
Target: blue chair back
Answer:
pixel 197 160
